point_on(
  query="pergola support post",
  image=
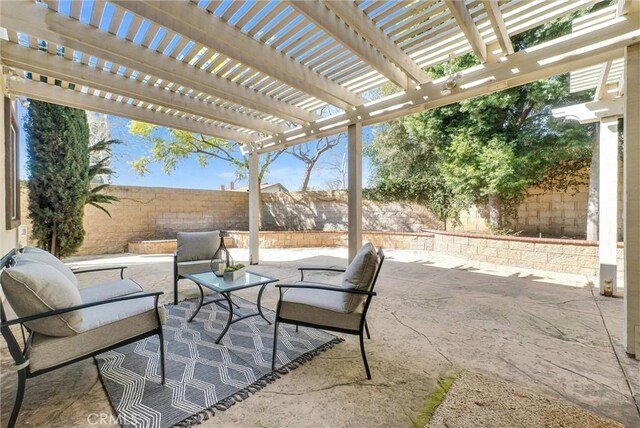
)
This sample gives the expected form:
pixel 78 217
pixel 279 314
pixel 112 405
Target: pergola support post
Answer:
pixel 632 202
pixel 355 188
pixel 608 204
pixel 254 209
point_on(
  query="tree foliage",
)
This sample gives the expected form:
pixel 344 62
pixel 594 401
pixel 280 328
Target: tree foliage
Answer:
pixel 171 147
pixel 58 167
pixel 489 148
pixel 95 191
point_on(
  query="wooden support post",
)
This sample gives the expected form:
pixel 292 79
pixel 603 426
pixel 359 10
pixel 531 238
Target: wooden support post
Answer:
pixel 632 202
pixel 254 209
pixel 355 189
pixel 608 203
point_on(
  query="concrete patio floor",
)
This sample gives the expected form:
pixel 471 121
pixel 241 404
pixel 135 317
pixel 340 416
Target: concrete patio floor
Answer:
pixel 434 315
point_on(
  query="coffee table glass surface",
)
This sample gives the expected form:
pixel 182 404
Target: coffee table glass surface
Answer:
pixel 218 284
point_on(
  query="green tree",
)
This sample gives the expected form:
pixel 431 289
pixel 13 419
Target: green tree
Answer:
pixel 57 163
pixel 486 150
pixel 173 146
pixel 95 190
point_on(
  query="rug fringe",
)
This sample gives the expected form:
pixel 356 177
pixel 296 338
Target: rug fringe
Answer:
pixel 256 386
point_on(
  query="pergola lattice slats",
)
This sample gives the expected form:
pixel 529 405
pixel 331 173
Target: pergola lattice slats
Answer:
pixel 38 22
pixel 57 67
pixel 225 39
pixel 73 98
pixel 577 50
pixel 499 27
pixel 268 67
pixel 362 26
pixel 468 26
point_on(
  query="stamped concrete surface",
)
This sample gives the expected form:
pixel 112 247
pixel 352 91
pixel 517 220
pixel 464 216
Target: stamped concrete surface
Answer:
pixel 476 400
pixel 434 315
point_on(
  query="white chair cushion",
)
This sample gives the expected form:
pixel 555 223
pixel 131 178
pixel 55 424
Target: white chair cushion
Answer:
pixel 321 307
pixel 48 258
pixel 108 290
pixel 104 326
pixel 359 275
pixel 34 287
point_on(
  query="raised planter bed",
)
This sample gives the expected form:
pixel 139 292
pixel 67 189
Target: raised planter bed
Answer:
pixel 152 246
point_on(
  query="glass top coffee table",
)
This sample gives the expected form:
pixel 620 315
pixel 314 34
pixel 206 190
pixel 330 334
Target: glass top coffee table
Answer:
pixel 225 288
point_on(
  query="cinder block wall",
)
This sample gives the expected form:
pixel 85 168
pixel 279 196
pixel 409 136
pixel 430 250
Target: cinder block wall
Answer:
pixel 156 213
pixel 328 210
pixel 557 255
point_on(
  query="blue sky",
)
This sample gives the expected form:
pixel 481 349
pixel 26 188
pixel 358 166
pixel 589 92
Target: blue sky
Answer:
pixel 286 170
pixel 189 174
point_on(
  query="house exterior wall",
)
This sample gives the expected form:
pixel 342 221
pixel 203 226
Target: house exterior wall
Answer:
pixel 8 237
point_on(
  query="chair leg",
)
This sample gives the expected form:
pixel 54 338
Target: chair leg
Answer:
pixel 175 290
pixel 275 344
pixel 364 356
pixel 296 328
pixel 22 379
pixel 366 328
pixel 162 358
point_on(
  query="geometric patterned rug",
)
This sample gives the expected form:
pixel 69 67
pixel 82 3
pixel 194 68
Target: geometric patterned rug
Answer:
pixel 201 377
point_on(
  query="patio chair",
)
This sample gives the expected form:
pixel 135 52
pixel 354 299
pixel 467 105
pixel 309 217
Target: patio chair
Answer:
pixel 342 309
pixel 193 255
pixel 61 324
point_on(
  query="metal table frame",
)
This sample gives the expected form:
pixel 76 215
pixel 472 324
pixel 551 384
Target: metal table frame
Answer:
pixel 226 297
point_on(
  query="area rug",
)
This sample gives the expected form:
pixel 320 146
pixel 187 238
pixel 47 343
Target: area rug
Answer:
pixel 201 377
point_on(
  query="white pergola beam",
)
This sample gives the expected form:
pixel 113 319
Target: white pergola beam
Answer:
pixel 254 208
pixel 497 23
pixel 26 17
pixel 623 7
pixel 577 50
pixel 364 38
pixel 58 67
pixel 354 173
pixel 205 28
pixel 590 112
pixel 601 88
pixel 608 204
pixel 72 98
pixel 631 208
pixel 464 19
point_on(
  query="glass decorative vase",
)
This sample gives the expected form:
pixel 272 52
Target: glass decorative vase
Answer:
pixel 222 257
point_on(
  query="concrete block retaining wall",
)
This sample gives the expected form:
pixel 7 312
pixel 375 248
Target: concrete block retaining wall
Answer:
pixel 556 255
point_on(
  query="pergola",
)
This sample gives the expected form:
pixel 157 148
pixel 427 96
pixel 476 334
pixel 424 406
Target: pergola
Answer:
pixel 258 72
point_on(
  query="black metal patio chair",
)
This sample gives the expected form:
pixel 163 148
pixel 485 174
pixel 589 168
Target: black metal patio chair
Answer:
pixel 60 324
pixel 342 309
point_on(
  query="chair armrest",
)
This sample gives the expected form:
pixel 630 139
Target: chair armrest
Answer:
pixel 328 288
pixel 303 269
pixel 100 269
pixel 155 294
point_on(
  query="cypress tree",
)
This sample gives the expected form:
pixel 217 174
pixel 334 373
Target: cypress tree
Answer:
pixel 57 163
